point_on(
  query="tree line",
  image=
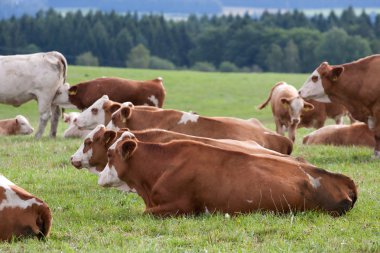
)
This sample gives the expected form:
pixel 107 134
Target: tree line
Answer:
pixel 276 42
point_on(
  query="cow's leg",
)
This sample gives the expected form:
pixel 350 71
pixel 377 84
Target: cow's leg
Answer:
pixel 169 209
pixel 44 111
pixel 339 119
pixel 55 110
pixel 292 132
pixel 279 128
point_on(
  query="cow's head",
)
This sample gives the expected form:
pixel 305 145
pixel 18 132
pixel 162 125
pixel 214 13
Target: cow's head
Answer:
pixel 320 80
pixel 21 213
pixel 296 106
pixel 117 167
pixel 119 118
pixel 23 125
pixel 62 96
pixel 92 154
pixel 69 118
pixel 98 113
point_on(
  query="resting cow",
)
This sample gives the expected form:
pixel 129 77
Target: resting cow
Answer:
pixel 34 76
pixel 188 177
pixel 357 134
pixel 73 131
pixel 18 125
pixel 21 214
pixel 355 85
pixel 287 107
pixel 83 95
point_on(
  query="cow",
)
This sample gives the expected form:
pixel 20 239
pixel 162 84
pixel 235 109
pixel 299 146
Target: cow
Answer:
pixel 194 124
pixel 84 94
pixel 34 76
pixel 21 213
pixel 357 134
pixel 92 154
pixel 354 85
pixel 18 125
pixel 73 131
pixel 185 177
pixel 287 107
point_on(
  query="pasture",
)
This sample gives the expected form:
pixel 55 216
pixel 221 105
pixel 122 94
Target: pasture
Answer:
pixel 88 218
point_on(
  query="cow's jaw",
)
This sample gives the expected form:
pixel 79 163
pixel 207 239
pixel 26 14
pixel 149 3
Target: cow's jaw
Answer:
pixel 314 90
pixel 109 178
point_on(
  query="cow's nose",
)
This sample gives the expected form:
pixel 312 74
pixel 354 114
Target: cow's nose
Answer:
pixel 295 121
pixel 76 164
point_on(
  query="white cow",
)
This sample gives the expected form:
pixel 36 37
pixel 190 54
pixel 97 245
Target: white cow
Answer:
pixel 73 131
pixel 34 76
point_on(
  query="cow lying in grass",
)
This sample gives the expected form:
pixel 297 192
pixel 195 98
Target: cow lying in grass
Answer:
pixel 21 214
pixel 18 125
pixel 188 177
pixel 72 130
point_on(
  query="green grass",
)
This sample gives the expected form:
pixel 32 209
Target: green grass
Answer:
pixel 88 218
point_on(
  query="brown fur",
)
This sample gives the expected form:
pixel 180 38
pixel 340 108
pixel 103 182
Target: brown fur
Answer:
pixel 9 127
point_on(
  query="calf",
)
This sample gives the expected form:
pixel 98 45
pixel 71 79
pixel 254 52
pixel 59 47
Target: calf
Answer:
pixel 188 177
pixel 18 125
pixel 287 107
pixel 21 214
pixel 355 85
pixel 357 134
pixel 194 124
pixel 73 131
pixel 34 76
pixel 83 95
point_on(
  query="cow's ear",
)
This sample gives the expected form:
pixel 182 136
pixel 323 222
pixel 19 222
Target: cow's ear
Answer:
pixel 335 73
pixel 307 106
pixel 127 149
pixel 66 117
pixel 285 102
pixel 73 90
pixel 108 137
pixel 125 113
pixel 114 107
pixel 17 121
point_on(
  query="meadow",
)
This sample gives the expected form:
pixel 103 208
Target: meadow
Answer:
pixel 88 218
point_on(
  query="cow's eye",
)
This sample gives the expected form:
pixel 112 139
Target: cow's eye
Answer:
pixel 314 79
pixel 94 111
pixel 87 142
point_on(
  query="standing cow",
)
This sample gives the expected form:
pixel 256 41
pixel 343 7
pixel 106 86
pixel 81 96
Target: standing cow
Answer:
pixel 34 76
pixel 355 85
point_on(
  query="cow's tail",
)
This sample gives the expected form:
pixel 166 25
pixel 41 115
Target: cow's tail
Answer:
pixel 270 96
pixel 162 93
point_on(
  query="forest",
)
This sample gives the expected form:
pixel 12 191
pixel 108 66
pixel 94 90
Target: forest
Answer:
pixel 275 42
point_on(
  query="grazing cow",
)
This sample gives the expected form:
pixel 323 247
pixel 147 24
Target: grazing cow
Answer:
pixel 355 85
pixel 188 177
pixel 34 76
pixel 18 125
pixel 357 134
pixel 287 107
pixel 21 213
pixel 73 131
pixel 92 154
pixel 316 118
pixel 83 95
pixel 194 124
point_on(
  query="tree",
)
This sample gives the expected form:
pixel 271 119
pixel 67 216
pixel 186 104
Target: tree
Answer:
pixel 87 59
pixel 227 66
pixel 139 57
pixel 203 66
pixel 159 63
pixel 333 46
pixel 274 58
pixel 291 60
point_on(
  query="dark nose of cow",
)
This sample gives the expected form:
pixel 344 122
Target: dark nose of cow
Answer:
pixel 296 121
pixel 76 164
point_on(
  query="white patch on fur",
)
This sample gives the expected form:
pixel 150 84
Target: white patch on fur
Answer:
pixel 73 130
pixel 154 100
pixel 109 178
pixel 62 96
pixel 296 106
pixel 25 127
pixel 12 200
pixel 93 170
pixel 315 182
pixel 249 201
pixel 314 90
pixel 88 120
pixel 371 123
pixel 111 126
pixel 125 135
pixel 206 210
pixel 188 116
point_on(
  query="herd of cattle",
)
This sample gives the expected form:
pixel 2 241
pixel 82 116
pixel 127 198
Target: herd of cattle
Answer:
pixel 184 163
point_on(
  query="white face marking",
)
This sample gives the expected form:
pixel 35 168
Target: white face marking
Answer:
pixel 12 200
pixel 314 90
pixel 128 104
pixel 188 116
pixel 62 96
pixel 109 178
pixel 154 100
pixel 25 127
pixel 111 126
pixel 88 119
pixel 315 182
pixel 84 158
pixel 296 106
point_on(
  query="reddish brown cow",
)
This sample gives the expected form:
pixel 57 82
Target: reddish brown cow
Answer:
pixel 188 177
pixel 355 85
pixel 194 124
pixel 83 95
pixel 357 134
pixel 18 125
pixel 21 214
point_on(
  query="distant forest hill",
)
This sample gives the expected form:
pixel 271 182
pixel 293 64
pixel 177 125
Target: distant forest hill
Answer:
pixel 280 42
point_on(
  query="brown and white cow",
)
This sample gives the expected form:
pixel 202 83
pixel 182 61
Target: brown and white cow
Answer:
pixel 188 177
pixel 92 154
pixel 34 76
pixel 287 107
pixel 21 213
pixel 357 134
pixel 72 130
pixel 194 124
pixel 18 125
pixel 83 95
pixel 355 85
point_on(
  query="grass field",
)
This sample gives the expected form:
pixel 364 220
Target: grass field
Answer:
pixel 88 218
